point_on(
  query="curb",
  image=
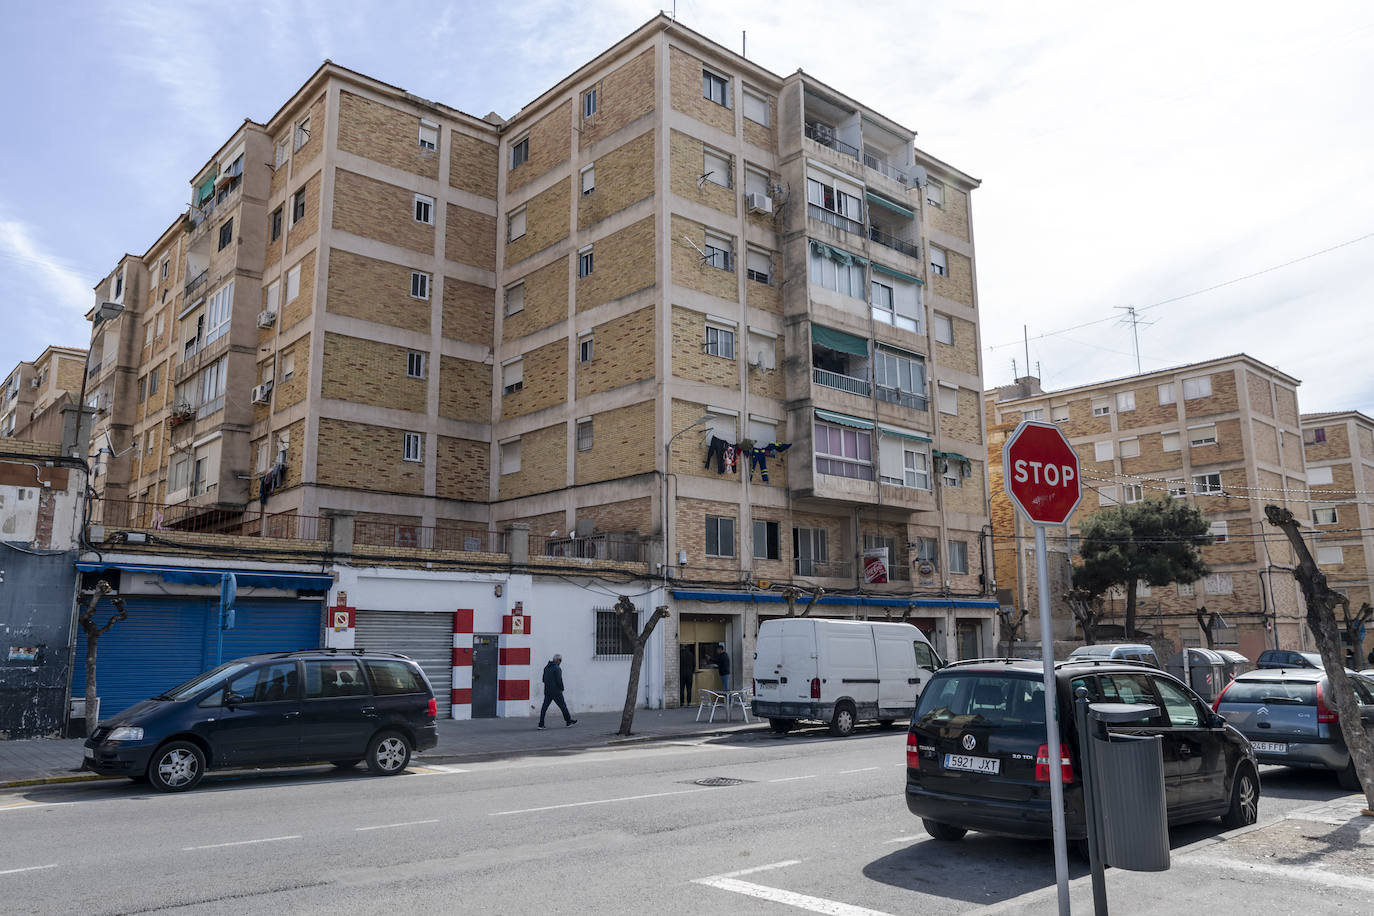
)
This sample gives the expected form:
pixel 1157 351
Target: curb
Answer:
pixel 53 780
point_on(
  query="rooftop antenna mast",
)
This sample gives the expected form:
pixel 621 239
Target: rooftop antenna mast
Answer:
pixel 1134 320
pixel 1025 335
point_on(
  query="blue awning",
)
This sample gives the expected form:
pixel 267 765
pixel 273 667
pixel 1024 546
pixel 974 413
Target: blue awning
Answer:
pixel 247 578
pixel 987 604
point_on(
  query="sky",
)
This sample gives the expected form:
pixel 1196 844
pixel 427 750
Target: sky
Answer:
pixel 1208 164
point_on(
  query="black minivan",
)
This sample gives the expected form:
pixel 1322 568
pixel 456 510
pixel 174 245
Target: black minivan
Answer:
pixel 312 706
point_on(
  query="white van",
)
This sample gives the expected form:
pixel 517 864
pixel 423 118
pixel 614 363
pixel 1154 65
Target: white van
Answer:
pixel 839 671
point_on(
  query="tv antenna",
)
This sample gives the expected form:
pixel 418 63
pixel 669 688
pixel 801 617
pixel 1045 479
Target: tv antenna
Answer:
pixel 1132 317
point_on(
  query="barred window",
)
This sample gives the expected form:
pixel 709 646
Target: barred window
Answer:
pixel 610 640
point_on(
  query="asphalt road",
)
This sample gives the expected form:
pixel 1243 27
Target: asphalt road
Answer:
pixel 813 824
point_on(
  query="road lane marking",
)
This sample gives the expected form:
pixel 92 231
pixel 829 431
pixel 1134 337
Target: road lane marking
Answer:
pixel 443 768
pixel 788 898
pixel 270 839
pixel 402 824
pixel 15 871
pixel 903 839
pixel 1314 875
pixel 758 868
pixel 792 778
pixel 601 801
pixel 21 805
pixel 860 770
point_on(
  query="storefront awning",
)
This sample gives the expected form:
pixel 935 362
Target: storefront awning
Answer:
pixel 840 341
pixel 889 205
pixel 688 594
pixel 843 420
pixel 192 575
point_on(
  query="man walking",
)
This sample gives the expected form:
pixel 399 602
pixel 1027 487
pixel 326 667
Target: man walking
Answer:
pixel 723 666
pixel 553 690
pixel 687 665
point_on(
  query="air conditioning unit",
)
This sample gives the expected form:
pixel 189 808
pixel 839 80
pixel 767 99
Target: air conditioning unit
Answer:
pixel 267 318
pixel 34 383
pixel 824 133
pixel 262 393
pixel 758 203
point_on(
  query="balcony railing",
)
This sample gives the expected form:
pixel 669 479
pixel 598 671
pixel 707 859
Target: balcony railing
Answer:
pixel 815 570
pixel 903 398
pixel 197 359
pixel 879 164
pixel 843 223
pixel 191 517
pixel 889 240
pixel 427 537
pixel 197 281
pixel 842 382
pixel 824 134
pixel 592 547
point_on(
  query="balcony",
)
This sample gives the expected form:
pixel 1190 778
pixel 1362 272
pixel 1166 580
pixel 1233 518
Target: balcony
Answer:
pixel 848 383
pixel 199 358
pixel 902 398
pixel 889 240
pixel 814 569
pixel 197 282
pixel 832 218
pixel 824 134
pixel 882 166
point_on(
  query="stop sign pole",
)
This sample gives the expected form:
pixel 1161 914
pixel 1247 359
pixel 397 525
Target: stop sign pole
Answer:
pixel 1040 473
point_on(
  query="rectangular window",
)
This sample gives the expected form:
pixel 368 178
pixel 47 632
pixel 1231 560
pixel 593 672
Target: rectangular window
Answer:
pixel 413 447
pixel 763 351
pixel 949 399
pixel 717 168
pixel 610 640
pixel 762 430
pixel 226 234
pixel 1217 584
pixel 288 367
pixel 298 207
pixel 755 107
pixel 415 365
pixel 1319 477
pixel 1200 387
pixel 1166 393
pixel 720 536
pixel 1059 414
pixel 720 342
pixel 958 557
pixel 1106 496
pixel 1130 448
pixel 515 225
pixel 944 329
pixel 1330 556
pixel 148 334
pixel 515 298
pixel 1186 589
pixel 843 277
pixel 1177 487
pixel 766 541
pixel 519 152
pixel 938 264
pixel 1132 493
pixel 588 180
pixel 900 379
pixel 1102 451
pixel 935 193
pixel 219 309
pixel 585 349
pixel 720 252
pixel 1203 435
pixel 153 378
pixel 584 435
pixel 1318 436
pixel 1324 516
pixel 758 266
pixel 1206 483
pixel 1170 442
pixel 273 296
pixel 302 135
pixel 159 325
pixel 424 209
pixel 716 88
pixel 1219 531
pixel 585 262
pixel 283 151
pixel 429 135
pixel 419 285
pixel 513 376
pixel 142 389
pixel 810 551
pixel 275 228
pixel 262 457
pixel 293 283
pixel 1033 413
pixel 510 457
pixel 589 103
pixel 842 451
pixel 1102 408
pixel 835 196
pixel 1125 400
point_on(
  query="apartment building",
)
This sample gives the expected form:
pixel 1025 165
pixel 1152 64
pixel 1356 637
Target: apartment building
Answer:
pixel 1223 434
pixel 1339 448
pixel 677 310
pixel 37 399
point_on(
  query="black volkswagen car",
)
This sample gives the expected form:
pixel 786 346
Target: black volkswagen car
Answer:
pixel 312 706
pixel 977 757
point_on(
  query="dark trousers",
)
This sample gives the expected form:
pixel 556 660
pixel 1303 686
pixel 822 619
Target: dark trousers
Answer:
pixel 687 690
pixel 554 698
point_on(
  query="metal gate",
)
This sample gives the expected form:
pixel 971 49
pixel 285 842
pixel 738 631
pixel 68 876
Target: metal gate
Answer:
pixel 425 636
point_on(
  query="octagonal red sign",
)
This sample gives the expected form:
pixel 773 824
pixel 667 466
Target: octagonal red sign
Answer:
pixel 1040 473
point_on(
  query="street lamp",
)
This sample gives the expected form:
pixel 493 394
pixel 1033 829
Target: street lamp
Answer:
pixel 667 464
pixel 105 311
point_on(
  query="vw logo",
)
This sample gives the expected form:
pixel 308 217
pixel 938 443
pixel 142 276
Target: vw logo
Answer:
pixel 969 742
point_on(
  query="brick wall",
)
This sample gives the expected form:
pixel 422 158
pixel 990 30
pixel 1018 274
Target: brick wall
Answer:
pixel 540 525
pixel 303 306
pixel 294 390
pixel 624 176
pixel 465 390
pixel 373 290
pixel 1222 399
pixel 687 165
pixel 472 164
pixel 968 496
pixel 965 425
pixel 1229 446
pixel 471 237
pixel 624 263
pixel 1342 479
pixel 691 532
pixel 549 146
pixel 781 568
pixel 690 271
pixel 468 311
pixel 1081 421
pixel 1259 389
pixel 384 134
pixel 1337 444
pixel 840 545
pixel 952 218
pixel 623 351
pixel 546 222
pixel 622 445
pixel 377 210
pixel 308 224
pixel 463 471
pixel 545 381
pixel 963 354
pixel 687 97
pixel 1287 400
pixel 546 301
pixel 690 361
pixel 543 466
pixel 767 297
pixel 1148 411
pixel 368 372
pixel 769 383
pixel 627 515
pixel 623 95
pixel 295 452
pixel 759 134
pixel 1239 546
pixel 315 144
pixel 1264 442
pixel 957 284
pixel 365 457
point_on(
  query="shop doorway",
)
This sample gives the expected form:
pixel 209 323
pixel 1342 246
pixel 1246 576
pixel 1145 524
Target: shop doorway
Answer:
pixel 484 676
pixel 702 636
pixel 969 639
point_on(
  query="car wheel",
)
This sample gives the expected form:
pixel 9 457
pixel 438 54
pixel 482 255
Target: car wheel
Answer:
pixel 346 764
pixel 388 754
pixel 1348 779
pixel 176 767
pixel 1244 809
pixel 842 725
pixel 947 833
pixel 781 726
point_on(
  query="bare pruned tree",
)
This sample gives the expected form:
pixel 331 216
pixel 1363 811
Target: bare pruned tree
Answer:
pixel 93 633
pixel 626 614
pixel 1087 610
pixel 1207 621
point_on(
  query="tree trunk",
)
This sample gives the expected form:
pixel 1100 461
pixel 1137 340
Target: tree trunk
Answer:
pixel 625 612
pixel 1321 619
pixel 93 633
pixel 1206 621
pixel 1130 608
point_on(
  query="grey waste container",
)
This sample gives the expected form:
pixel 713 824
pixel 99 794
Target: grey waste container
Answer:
pixel 1235 664
pixel 1129 773
pixel 1201 669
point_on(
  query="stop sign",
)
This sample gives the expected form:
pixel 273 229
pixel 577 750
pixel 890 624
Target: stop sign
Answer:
pixel 1040 473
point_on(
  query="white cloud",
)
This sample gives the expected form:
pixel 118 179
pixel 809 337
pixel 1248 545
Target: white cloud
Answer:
pixel 49 297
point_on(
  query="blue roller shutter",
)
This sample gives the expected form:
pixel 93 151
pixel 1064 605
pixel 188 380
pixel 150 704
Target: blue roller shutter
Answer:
pixel 283 625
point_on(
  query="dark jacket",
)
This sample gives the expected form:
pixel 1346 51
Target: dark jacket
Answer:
pixel 723 662
pixel 553 678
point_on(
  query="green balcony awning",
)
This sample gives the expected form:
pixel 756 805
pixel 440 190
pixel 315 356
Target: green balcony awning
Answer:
pixel 839 341
pixel 838 255
pixel 843 420
pixel 889 205
pixel 207 187
pixel 898 274
pixel 903 434
pixel 952 456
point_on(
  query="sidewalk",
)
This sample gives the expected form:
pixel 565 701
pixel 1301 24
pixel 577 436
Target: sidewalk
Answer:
pixel 37 761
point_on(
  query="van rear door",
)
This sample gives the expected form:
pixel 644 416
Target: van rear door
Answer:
pixel 849 665
pixel 786 661
pixel 898 680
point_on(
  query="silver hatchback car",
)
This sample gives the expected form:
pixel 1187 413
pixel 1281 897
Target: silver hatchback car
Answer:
pixel 1285 714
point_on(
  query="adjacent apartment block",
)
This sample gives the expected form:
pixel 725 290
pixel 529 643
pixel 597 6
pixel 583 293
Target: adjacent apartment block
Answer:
pixel 38 399
pixel 1223 434
pixel 1339 447
pixel 678 310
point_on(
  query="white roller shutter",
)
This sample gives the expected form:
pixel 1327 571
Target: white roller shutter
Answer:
pixel 425 636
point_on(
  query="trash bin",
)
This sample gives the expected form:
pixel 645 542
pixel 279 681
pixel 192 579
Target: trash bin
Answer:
pixel 1124 790
pixel 1201 669
pixel 1235 663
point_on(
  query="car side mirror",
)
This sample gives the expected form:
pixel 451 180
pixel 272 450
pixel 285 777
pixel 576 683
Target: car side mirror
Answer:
pixel 232 700
pixel 1216 720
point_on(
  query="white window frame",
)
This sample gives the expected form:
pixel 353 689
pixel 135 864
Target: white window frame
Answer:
pixel 283 153
pixel 827 274
pixel 1324 515
pixel 288 366
pixel 298 203
pixel 589 103
pixel 1104 451
pixel 1204 485
pixel 945 391
pixel 1106 496
pixel 515 224
pixel 424 209
pixel 1177 486
pixel 1125 400
pixel 1033 413
pixel 419 284
pixel 939 262
pixel 586 347
pixel 1059 413
pixel 958 558
pixel 585 434
pixel 1319 477
pixel 293 283
pixel 428 136
pixel 719 340
pixel 720 251
pixel 826 462
pixel 762 350
pixel 273 297
pixel 586 262
pixel 758 265
pixel 1220 530
pixel 713 84
pixel 1199 435
pixel 219 311
pixel 1132 493
pixel 1171 442
pixel 1186 589
pixel 588 179
pixel 413 447
pixel 1331 555
pixel 935 193
pixel 900 372
pixel 1166 393
pixel 717 168
pixel 1102 408
pixel 301 133
pixel 416 364
pixel 519 152
pixel 1197 387
pixel 1129 448
pixel 509 456
pixel 513 376
pixel 1219 583
pixel 514 298
pixel 755 106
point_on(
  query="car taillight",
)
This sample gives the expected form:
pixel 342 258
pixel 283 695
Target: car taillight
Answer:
pixel 433 709
pixel 815 688
pixel 913 759
pixel 1217 701
pixel 1042 764
pixel 1325 713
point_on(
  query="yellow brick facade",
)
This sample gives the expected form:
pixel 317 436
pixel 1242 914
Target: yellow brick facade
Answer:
pixel 691 361
pixel 294 311
pixel 463 469
pixel 470 237
pixel 465 391
pixel 468 311
pixel 957 283
pixel 472 164
pixel 622 445
pixel 383 212
pixel 549 146
pixel 623 264
pixel 623 352
pixel 623 176
pixel 376 291
pixel 623 95
pixel 384 134
pixel 546 223
pixel 687 96
pixel 545 381
pixel 691 271
pixel 543 465
pixel 629 515
pixel 368 372
pixel 300 230
pixel 952 217
pixel 293 390
pixel 365 457
pixel 688 178
pixel 545 294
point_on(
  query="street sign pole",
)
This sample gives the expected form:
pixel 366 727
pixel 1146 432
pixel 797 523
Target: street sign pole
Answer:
pixel 1061 839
